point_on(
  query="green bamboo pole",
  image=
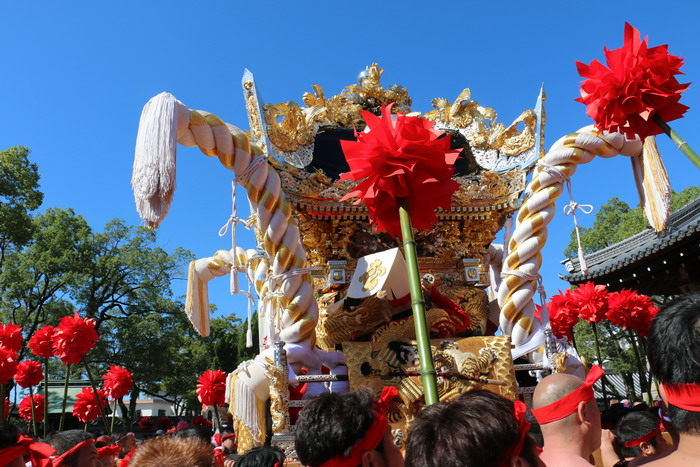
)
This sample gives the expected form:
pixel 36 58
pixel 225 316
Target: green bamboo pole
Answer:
pixel 427 368
pixel 65 396
pixel 600 362
pixel 114 414
pixel 31 398
pixel 46 395
pixel 680 142
pixel 97 396
pixel 218 418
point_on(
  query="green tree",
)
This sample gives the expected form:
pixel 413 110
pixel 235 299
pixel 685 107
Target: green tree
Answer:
pixel 19 196
pixel 615 221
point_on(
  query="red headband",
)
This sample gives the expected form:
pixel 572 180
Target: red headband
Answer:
pixel 519 410
pixel 569 403
pixel 58 461
pixel 112 450
pixel 685 396
pixel 39 453
pixel 643 439
pixel 228 436
pixel 373 436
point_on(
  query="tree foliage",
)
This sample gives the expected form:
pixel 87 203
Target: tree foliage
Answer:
pixel 616 221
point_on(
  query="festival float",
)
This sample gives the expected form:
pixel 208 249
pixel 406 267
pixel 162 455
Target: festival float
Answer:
pixel 346 295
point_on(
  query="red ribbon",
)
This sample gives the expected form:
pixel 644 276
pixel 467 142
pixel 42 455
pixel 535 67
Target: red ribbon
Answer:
pixel 569 403
pixel 112 450
pixel 519 411
pixel 58 461
pixel 372 437
pixel 228 436
pixel 643 439
pixel 39 453
pixel 685 396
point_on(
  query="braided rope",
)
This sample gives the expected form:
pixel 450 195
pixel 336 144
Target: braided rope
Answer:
pixel 524 258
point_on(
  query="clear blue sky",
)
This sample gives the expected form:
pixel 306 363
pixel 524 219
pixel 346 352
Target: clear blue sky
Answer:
pixel 76 75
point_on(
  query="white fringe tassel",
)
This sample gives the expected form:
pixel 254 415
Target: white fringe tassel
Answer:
pixel 153 178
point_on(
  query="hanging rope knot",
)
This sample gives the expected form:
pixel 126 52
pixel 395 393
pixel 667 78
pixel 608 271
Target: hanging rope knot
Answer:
pixel 244 177
pixel 553 171
pixel 571 208
pixel 275 280
pixel 233 219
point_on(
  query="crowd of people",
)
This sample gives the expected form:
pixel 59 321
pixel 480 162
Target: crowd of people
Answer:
pixel 478 428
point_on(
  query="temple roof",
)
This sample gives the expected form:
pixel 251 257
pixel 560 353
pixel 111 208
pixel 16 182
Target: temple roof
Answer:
pixel 648 260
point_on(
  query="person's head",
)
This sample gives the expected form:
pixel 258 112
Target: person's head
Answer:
pixel 125 440
pixel 639 434
pixel 263 456
pixel 199 432
pixel 674 358
pixel 347 425
pixel 476 428
pixel 567 411
pixel 228 438
pixel 9 435
pixel 172 450
pixel 76 448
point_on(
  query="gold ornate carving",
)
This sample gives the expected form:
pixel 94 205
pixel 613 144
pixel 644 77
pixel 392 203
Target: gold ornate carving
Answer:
pixel 484 132
pixel 336 324
pixel 279 400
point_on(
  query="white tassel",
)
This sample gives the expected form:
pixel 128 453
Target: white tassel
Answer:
pixel 153 178
pixel 249 337
pixel 581 258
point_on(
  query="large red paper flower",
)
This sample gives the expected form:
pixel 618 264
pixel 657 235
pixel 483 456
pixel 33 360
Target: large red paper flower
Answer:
pixel 562 315
pixel 164 423
pixel 638 83
pixel 630 310
pixel 146 424
pixel 8 364
pixel 41 342
pixel 402 158
pixel 211 388
pixel 25 408
pixel 74 338
pixel 29 373
pixel 117 382
pixel 11 337
pixel 591 301
pixel 201 421
pixel 85 408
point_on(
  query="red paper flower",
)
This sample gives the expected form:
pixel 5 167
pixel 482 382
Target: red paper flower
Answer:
pixel 41 342
pixel 145 423
pixel 11 337
pixel 25 408
pixel 630 310
pixel 638 83
pixel 117 382
pixel 164 423
pixel 201 421
pixel 85 408
pixel 29 373
pixel 211 388
pixel 74 338
pixel 405 158
pixel 591 301
pixel 8 364
pixel 562 315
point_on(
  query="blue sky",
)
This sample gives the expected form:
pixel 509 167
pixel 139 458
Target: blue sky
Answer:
pixel 76 75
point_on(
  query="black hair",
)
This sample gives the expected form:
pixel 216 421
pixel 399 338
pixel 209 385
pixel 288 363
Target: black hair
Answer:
pixel 674 353
pixel 476 428
pixel 9 434
pixel 198 431
pixel 226 430
pixel 633 426
pixel 331 424
pixel 63 441
pixel 263 456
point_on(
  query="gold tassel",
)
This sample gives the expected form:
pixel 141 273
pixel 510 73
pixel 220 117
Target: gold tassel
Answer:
pixel 652 184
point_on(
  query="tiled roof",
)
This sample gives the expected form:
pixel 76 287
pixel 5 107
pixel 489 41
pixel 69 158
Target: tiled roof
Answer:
pixel 683 223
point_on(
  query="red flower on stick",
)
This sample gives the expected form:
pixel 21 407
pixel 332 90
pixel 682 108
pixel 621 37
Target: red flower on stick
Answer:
pixel 630 310
pixel 85 408
pixel 25 408
pixel 211 388
pixel 591 301
pixel 8 365
pixel 402 158
pixel 74 338
pixel 638 83
pixel 29 373
pixel 117 382
pixel 201 421
pixel 145 424
pixel 41 342
pixel 562 315
pixel 11 337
